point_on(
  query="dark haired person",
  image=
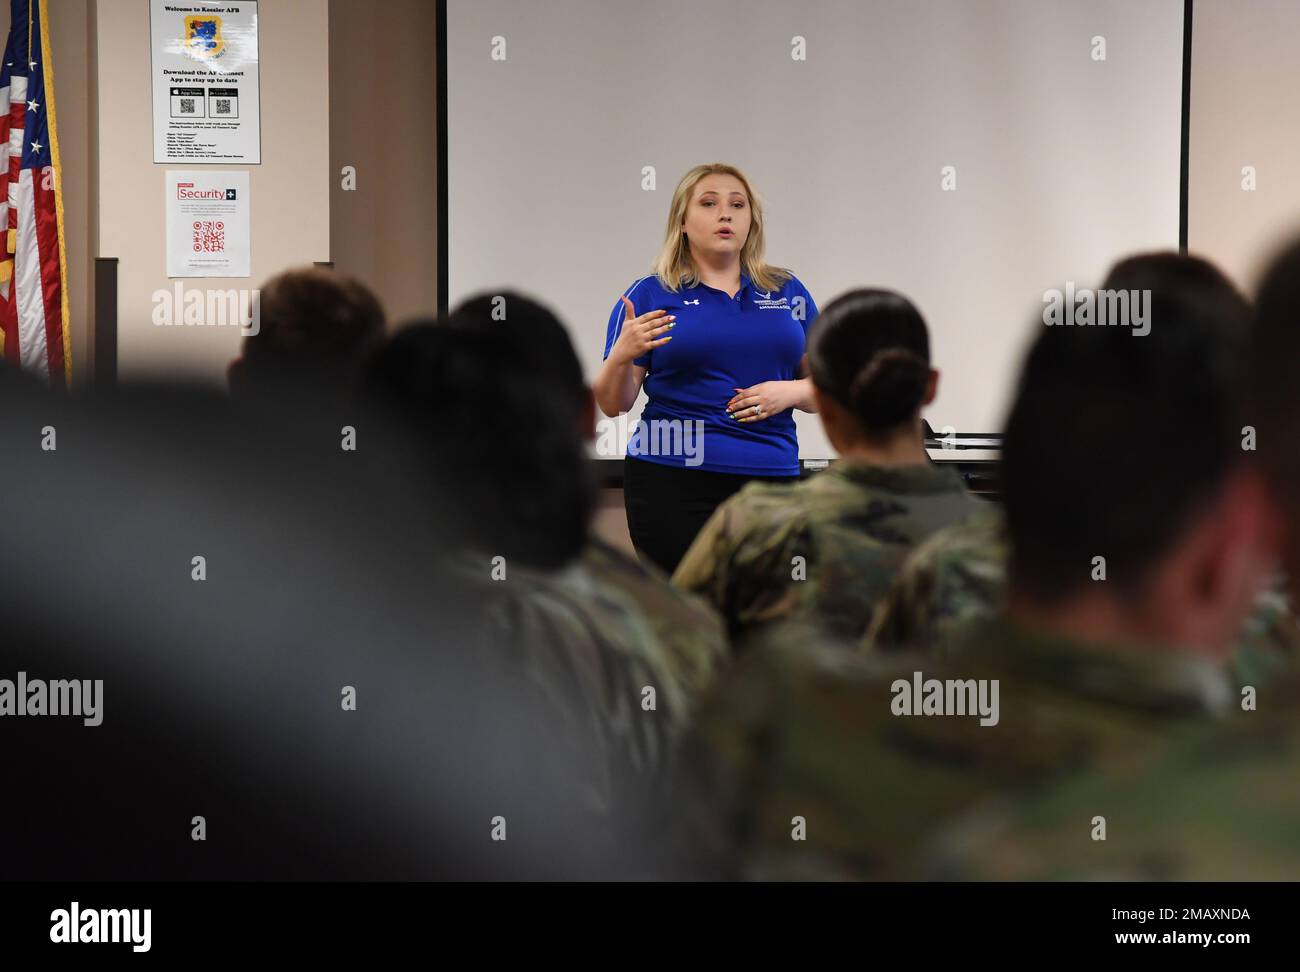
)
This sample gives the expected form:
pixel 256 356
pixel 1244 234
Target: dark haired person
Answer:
pixel 314 330
pixel 496 443
pixel 1275 407
pixel 828 546
pixel 496 406
pixel 533 341
pixel 1223 811
pixel 1166 497
pixel 957 577
pixel 1216 804
pixel 333 586
pixel 1139 538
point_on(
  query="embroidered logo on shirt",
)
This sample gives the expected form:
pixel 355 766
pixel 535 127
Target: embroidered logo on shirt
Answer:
pixel 767 303
pixel 695 301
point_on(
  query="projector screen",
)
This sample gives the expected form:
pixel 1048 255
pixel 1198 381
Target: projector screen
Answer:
pixel 972 155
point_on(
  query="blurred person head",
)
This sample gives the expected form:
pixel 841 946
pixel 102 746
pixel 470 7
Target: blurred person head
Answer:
pixel 537 344
pixel 315 328
pixel 506 402
pixel 709 199
pixel 225 697
pixel 1275 406
pixel 1128 447
pixel 869 358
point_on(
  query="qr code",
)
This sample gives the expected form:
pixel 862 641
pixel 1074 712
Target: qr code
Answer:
pixel 187 107
pixel 209 236
pixel 223 106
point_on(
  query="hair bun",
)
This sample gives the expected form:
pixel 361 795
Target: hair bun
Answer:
pixel 889 388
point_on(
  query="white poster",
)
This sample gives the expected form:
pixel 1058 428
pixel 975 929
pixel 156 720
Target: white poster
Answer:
pixel 205 81
pixel 207 224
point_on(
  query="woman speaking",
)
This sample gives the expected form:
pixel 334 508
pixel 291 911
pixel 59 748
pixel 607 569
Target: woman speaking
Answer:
pixel 716 337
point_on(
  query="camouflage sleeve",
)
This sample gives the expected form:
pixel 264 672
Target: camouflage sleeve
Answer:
pixel 901 618
pixel 951 580
pixel 525 646
pixel 582 660
pixel 703 569
pixel 742 561
pixel 719 770
pixel 793 773
pixel 687 633
pixel 1219 807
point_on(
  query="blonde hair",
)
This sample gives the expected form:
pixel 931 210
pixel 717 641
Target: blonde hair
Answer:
pixel 675 268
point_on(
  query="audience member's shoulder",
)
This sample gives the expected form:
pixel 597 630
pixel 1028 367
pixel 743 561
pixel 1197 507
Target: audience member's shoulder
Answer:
pixel 603 604
pixel 528 602
pixel 981 538
pixel 1217 806
pixel 763 507
pixel 645 582
pixel 572 589
pixel 952 579
pixel 690 641
pixel 764 494
pixel 605 560
pixel 673 612
pixel 801 654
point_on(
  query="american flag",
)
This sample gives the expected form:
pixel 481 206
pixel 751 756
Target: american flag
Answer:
pixel 33 263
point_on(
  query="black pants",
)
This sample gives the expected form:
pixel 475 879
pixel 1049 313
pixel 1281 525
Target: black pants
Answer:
pixel 667 505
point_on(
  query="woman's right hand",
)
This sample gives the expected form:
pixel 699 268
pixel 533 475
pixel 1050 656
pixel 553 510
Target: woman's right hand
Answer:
pixel 640 335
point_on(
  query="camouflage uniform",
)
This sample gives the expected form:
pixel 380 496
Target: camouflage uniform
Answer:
pixel 585 656
pixel 851 525
pixel 684 630
pixel 790 735
pixel 953 577
pixel 1220 806
pixel 590 639
pixel 957 576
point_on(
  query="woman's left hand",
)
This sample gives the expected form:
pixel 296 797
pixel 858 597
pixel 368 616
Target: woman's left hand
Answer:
pixel 764 400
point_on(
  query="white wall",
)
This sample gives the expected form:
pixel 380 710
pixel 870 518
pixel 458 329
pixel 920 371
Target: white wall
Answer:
pixel 1245 111
pixel 385 231
pixel 290 190
pixel 1244 84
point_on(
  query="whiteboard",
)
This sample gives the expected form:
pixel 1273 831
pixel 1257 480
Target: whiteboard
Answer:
pixel 1063 161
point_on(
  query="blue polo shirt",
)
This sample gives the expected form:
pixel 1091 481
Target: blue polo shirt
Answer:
pixel 720 343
